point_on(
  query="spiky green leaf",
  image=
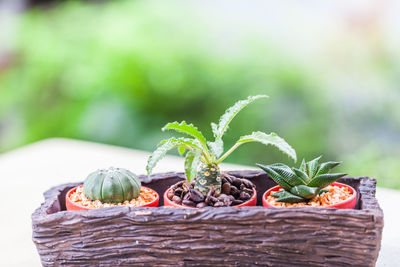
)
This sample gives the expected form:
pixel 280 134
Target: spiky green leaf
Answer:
pixel 287 174
pixel 181 150
pixel 275 176
pixel 302 175
pixel 165 146
pixel 269 139
pixel 216 147
pixel 277 194
pixel 312 167
pixel 185 128
pixel 303 166
pixel 289 198
pixel 192 161
pixel 327 166
pixel 304 191
pixel 214 128
pixel 324 180
pixel 231 112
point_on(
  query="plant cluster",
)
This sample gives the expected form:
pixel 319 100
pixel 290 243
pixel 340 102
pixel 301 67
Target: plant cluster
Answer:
pixel 304 183
pixel 202 157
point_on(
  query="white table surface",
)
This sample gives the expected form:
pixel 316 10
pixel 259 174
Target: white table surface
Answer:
pixel 27 172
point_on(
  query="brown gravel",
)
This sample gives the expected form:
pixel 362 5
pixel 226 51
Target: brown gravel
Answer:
pixel 146 196
pixel 335 195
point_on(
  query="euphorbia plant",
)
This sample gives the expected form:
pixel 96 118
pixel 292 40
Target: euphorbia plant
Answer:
pixel 202 157
pixel 304 183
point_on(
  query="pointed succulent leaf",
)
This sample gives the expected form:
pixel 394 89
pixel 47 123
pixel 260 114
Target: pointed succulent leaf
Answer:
pixel 185 128
pixel 216 147
pixel 288 175
pixel 324 180
pixel 269 139
pixel 192 161
pixel 303 166
pixel 312 167
pixel 277 194
pixel 301 174
pixel 327 166
pixel 275 176
pixel 231 112
pixel 289 198
pixel 305 191
pixel 166 145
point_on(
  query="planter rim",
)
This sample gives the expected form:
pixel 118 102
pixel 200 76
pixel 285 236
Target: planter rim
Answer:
pixel 169 203
pixel 348 203
pixel 70 205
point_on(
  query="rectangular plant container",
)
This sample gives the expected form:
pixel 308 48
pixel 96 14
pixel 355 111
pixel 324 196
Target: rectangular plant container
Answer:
pixel 224 236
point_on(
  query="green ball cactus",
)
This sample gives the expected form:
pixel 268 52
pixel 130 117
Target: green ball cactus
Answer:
pixel 114 185
pixel 304 183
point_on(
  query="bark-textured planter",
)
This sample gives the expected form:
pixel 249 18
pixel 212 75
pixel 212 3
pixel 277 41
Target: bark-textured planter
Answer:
pixel 223 236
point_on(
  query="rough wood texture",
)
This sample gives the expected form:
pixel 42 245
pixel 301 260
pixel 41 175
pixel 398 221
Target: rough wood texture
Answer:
pixel 225 236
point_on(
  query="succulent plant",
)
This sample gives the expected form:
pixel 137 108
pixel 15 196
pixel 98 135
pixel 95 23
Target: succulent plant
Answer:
pixel 207 154
pixel 303 183
pixel 112 185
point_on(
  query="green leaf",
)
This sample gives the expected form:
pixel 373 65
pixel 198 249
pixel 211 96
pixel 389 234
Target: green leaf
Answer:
pixel 216 147
pixel 324 180
pixel 327 166
pixel 275 176
pixel 302 175
pixel 166 145
pixel 305 191
pixel 230 113
pixel 287 174
pixel 312 167
pixel 192 161
pixel 214 128
pixel 277 194
pixel 303 166
pixel 289 198
pixel 269 139
pixel 188 129
pixel 181 150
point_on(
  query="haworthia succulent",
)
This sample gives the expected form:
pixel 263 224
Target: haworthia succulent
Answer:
pixel 304 183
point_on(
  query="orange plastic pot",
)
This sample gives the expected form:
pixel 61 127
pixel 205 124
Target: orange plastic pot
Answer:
pixel 71 205
pixel 349 203
pixel 169 203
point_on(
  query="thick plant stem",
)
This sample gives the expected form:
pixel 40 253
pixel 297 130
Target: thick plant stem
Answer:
pixel 209 176
pixel 227 153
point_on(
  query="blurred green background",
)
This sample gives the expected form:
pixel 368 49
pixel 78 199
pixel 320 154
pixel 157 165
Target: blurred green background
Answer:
pixel 115 72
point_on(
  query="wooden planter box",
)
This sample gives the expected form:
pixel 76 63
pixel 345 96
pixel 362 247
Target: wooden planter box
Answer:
pixel 212 236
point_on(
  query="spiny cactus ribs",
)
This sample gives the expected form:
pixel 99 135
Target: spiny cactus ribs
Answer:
pixel 304 183
pixel 113 185
pixel 208 177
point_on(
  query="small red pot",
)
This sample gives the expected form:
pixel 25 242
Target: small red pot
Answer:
pixel 73 206
pixel 169 203
pixel 349 203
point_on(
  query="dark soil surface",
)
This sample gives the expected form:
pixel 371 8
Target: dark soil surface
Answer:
pixel 234 191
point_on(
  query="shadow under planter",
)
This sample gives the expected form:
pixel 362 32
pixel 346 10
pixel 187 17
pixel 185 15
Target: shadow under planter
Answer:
pixel 210 236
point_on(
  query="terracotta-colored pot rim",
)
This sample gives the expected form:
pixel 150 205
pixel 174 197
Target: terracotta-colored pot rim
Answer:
pixel 348 203
pixel 169 203
pixel 153 203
